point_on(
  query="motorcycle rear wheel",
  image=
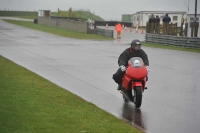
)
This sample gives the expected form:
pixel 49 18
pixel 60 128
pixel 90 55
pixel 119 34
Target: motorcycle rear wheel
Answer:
pixel 138 96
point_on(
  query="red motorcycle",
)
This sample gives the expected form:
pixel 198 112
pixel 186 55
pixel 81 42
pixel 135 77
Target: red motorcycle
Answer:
pixel 134 81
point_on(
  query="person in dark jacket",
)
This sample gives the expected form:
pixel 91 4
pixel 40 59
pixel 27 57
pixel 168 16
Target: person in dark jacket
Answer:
pixel 157 25
pixel 134 51
pixel 166 19
pixel 152 21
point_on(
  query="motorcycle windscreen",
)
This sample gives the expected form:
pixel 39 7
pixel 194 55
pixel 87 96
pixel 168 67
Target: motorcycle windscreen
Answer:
pixel 136 62
pixel 136 68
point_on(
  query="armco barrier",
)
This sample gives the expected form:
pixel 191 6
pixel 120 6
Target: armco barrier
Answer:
pixel 105 32
pixel 79 26
pixel 173 40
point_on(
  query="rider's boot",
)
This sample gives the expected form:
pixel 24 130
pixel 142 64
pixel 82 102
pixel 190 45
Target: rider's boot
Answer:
pixel 119 87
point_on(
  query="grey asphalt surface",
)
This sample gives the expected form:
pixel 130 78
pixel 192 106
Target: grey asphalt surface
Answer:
pixel 15 18
pixel 170 104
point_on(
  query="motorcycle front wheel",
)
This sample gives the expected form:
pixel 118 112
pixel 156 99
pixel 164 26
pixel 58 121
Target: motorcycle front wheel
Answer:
pixel 138 96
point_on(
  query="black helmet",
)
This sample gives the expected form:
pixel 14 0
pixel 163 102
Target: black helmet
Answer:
pixel 134 43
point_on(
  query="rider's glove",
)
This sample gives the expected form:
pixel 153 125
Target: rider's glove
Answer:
pixel 123 68
pixel 148 69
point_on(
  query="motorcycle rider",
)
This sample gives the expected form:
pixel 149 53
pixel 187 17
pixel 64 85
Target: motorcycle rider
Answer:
pixel 134 51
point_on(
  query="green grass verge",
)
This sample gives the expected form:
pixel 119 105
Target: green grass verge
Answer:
pixel 27 17
pixel 78 14
pixel 58 31
pixel 31 104
pixel 171 47
pixel 18 13
pixel 33 14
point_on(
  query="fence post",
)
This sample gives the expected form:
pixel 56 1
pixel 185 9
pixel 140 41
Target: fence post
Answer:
pixel 186 29
pixel 147 27
pixel 157 27
pixel 192 27
pixel 181 31
pixel 151 27
pixel 196 26
pixel 164 30
pixel 174 30
pixel 161 27
pixel 171 28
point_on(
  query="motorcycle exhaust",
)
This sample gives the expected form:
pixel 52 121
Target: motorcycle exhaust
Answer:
pixel 121 92
pixel 125 95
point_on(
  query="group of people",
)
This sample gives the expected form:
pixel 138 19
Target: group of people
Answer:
pixel 154 23
pixel 91 23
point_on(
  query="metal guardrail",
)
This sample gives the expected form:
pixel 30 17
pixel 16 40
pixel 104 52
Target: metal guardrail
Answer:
pixel 105 32
pixel 173 40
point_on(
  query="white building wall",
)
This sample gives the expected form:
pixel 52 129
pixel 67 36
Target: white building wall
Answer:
pixel 40 13
pixel 145 17
pixel 179 19
pixel 134 20
pixel 44 13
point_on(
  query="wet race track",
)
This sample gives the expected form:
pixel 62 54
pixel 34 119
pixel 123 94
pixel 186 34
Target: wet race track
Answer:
pixel 171 103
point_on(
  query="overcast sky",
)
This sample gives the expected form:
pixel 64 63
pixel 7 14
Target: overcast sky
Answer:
pixel 107 9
